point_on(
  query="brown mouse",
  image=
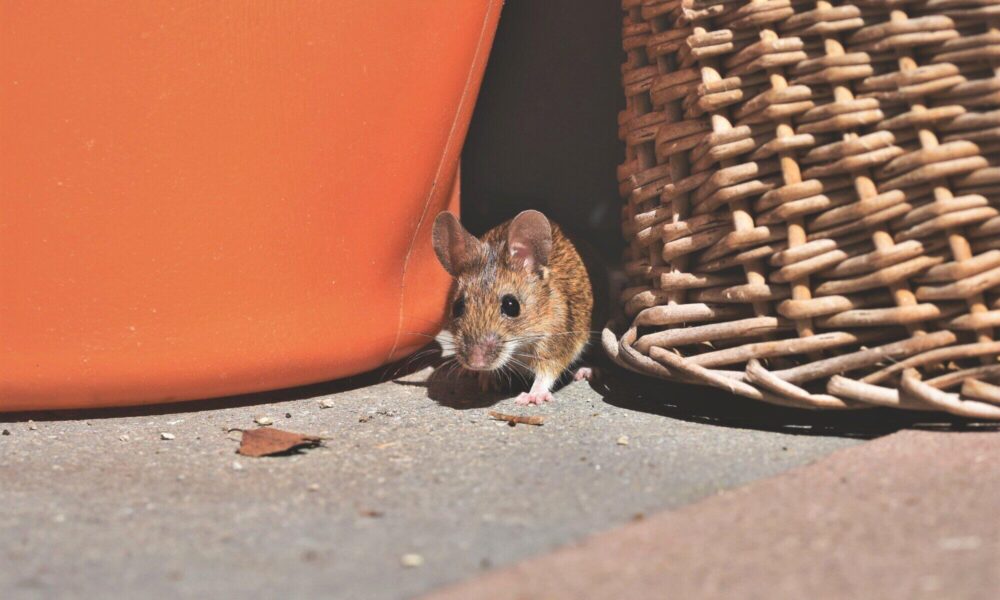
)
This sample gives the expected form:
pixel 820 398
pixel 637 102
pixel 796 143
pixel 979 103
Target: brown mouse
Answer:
pixel 522 299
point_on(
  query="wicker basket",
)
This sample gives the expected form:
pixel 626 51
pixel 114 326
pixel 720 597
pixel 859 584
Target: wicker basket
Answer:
pixel 811 200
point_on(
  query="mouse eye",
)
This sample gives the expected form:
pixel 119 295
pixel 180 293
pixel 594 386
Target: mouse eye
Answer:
pixel 509 306
pixel 458 307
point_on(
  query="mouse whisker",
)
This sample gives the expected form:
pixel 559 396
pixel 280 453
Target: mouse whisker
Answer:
pixel 518 373
pixel 436 323
pixel 420 333
pixel 405 365
pixel 419 355
pixel 449 367
pixel 446 345
pixel 443 341
pixel 540 336
pixel 521 373
pixel 512 374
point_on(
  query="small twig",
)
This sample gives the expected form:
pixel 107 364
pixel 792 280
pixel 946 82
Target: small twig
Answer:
pixel 515 419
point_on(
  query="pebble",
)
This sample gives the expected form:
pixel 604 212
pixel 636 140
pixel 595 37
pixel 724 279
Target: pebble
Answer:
pixel 411 560
pixel 166 436
pixel 313 487
pixel 623 440
pixel 237 466
pixel 124 437
pixel 969 542
pixel 32 426
pixel 5 432
pixel 326 403
pixel 263 420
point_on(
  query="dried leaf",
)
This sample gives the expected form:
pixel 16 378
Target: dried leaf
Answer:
pixel 267 441
pixel 515 419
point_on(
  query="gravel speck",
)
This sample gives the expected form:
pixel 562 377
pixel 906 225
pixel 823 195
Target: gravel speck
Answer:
pixel 166 436
pixel 326 403
pixel 623 440
pixel 411 560
pixel 263 420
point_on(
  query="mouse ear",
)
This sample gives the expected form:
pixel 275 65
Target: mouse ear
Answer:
pixel 455 247
pixel 529 240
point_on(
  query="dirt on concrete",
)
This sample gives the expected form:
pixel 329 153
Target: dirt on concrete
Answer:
pixel 416 486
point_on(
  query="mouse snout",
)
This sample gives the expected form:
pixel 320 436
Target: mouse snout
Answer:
pixel 482 354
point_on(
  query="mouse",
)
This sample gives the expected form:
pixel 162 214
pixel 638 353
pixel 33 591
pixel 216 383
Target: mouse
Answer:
pixel 521 300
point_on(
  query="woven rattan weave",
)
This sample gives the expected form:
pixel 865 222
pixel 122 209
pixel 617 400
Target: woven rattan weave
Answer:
pixel 811 200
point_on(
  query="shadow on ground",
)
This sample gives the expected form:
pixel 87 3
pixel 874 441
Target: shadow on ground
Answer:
pixel 450 387
pixel 702 404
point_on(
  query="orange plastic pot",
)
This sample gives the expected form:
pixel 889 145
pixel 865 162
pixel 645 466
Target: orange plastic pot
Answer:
pixel 202 198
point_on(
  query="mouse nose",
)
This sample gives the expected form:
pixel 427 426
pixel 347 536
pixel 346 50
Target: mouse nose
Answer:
pixel 477 357
pixel 480 354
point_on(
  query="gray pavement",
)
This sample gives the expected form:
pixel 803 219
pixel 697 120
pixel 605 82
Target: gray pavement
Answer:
pixel 99 505
pixel 908 516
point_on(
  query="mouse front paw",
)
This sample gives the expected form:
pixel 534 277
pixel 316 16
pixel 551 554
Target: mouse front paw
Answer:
pixel 583 373
pixel 526 398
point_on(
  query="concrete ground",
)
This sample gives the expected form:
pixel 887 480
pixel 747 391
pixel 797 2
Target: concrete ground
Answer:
pixel 911 515
pixel 414 471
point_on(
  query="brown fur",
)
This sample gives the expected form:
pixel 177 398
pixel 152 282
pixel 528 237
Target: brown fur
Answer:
pixel 556 302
